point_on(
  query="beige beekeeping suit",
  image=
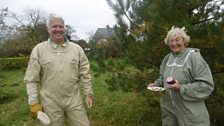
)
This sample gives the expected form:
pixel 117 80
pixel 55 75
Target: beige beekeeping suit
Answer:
pixel 54 76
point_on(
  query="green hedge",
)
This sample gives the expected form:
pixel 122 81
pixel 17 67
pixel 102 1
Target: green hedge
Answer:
pixel 13 63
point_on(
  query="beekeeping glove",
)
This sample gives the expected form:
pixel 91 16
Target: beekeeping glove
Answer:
pixel 34 108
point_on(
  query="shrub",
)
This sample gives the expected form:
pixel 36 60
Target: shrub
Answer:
pixel 13 63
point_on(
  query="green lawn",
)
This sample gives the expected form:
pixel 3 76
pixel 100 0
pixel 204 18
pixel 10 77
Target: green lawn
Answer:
pixel 13 105
pixel 115 108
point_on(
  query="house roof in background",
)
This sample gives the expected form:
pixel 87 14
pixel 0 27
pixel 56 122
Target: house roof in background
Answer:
pixel 104 33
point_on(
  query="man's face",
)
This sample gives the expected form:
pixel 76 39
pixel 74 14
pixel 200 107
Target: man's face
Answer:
pixel 56 30
pixel 176 44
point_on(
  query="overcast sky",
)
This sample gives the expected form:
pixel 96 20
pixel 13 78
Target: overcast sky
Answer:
pixel 84 15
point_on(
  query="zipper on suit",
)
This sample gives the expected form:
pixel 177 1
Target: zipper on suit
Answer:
pixel 170 92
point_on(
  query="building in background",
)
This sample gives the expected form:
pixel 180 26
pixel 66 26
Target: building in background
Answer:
pixel 104 36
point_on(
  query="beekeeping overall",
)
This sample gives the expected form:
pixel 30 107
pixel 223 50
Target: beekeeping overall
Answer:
pixel 54 77
pixel 185 107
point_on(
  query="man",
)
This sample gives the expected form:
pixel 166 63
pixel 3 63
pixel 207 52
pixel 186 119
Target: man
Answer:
pixel 56 71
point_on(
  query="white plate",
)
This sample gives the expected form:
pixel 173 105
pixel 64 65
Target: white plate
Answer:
pixel 156 88
pixel 43 118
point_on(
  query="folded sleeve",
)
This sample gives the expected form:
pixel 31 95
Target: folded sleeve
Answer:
pixel 32 77
pixel 160 80
pixel 202 85
pixel 85 74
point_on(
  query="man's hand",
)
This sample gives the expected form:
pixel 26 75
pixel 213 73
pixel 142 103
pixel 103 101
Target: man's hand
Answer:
pixel 34 108
pixel 89 101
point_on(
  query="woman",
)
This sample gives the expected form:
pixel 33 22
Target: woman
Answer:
pixel 182 103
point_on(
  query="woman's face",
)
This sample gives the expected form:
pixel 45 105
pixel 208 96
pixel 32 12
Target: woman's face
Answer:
pixel 176 44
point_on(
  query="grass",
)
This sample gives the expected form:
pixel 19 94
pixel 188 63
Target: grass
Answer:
pixel 111 108
pixel 14 108
pixel 115 108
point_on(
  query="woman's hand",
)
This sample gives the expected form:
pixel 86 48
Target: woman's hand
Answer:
pixel 152 85
pixel 175 86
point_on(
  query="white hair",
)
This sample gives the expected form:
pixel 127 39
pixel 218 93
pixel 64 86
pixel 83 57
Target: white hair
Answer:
pixel 177 32
pixel 53 16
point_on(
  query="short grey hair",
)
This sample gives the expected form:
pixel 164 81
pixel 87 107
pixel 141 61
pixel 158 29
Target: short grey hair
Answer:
pixel 178 32
pixel 53 16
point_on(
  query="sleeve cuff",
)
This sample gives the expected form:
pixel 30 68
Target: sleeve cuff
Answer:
pixel 182 89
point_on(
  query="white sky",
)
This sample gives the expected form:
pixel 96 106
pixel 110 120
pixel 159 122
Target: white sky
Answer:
pixel 84 15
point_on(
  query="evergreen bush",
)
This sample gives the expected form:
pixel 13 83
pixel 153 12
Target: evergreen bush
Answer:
pixel 13 63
